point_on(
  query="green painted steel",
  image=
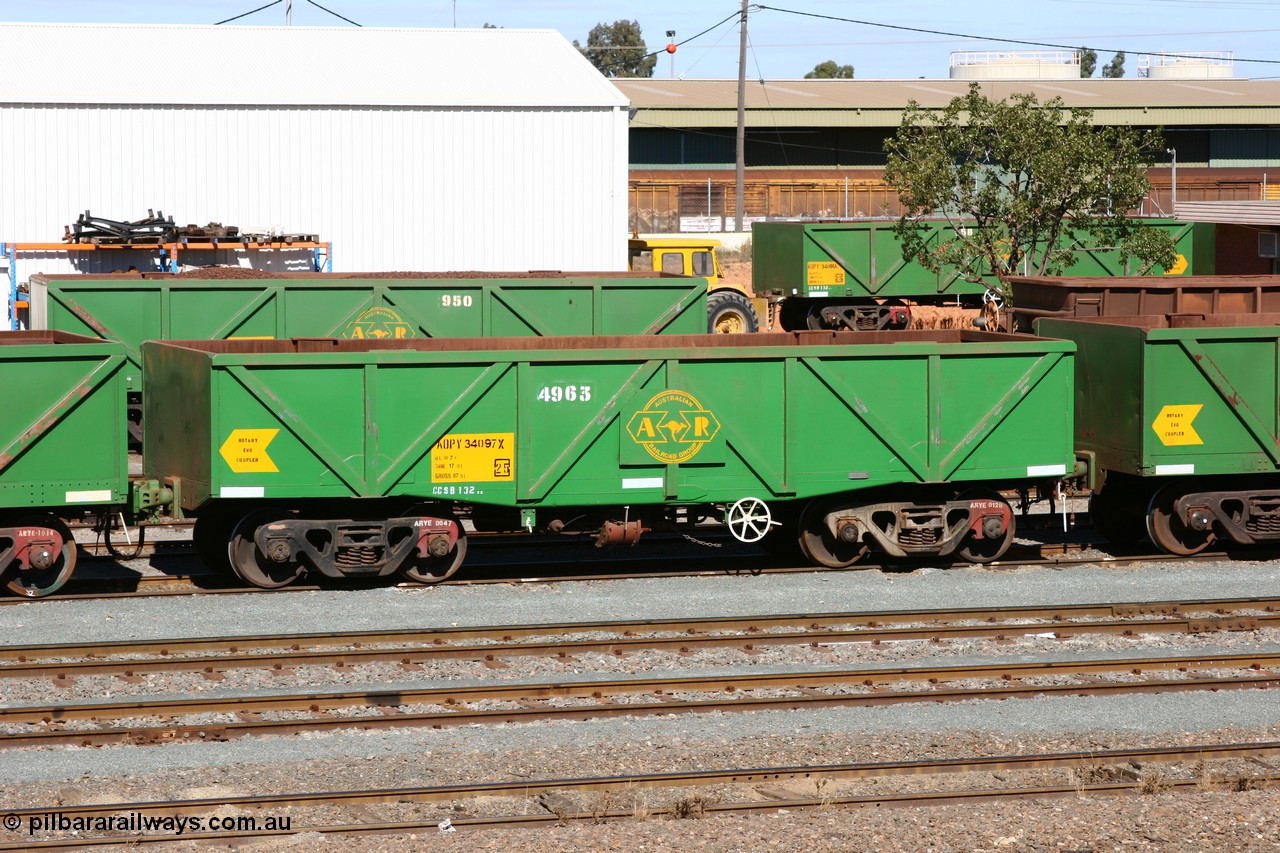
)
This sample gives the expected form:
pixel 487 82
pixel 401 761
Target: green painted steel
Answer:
pixel 62 426
pixel 613 421
pixel 864 259
pixel 1197 398
pixel 133 309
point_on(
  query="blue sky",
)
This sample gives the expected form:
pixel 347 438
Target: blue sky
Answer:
pixel 783 44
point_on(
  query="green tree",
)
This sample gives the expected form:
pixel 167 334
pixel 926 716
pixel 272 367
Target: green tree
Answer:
pixel 1114 68
pixel 830 71
pixel 1088 61
pixel 1017 179
pixel 618 50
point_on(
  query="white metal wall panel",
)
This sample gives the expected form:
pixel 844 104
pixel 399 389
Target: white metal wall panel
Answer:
pixel 318 66
pixel 408 188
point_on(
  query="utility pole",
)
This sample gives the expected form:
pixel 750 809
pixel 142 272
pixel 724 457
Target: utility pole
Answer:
pixel 288 13
pixel 739 171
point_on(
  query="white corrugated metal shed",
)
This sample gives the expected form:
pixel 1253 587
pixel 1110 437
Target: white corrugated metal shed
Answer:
pixel 156 64
pixel 418 149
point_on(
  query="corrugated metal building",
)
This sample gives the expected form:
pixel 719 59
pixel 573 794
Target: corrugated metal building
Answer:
pixel 409 149
pixel 1215 123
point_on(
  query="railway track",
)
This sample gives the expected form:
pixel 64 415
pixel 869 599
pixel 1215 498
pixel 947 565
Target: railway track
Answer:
pixel 203 582
pixel 148 722
pixel 566 800
pixel 65 661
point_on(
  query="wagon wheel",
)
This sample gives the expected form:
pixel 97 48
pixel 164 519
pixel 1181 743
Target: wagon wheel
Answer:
pixel 898 303
pixel 817 543
pixel 1168 531
pixel 815 321
pixel 211 539
pixel 249 563
pixel 61 561
pixel 986 549
pixel 748 519
pixel 434 569
pixel 1118 515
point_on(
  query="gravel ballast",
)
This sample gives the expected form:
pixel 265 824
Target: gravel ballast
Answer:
pixel 1208 818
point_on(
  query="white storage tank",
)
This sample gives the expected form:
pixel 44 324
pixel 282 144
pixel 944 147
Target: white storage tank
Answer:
pixel 1203 65
pixel 1015 65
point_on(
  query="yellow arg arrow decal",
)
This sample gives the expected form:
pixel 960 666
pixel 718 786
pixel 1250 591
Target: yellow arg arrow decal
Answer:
pixel 245 451
pixel 1173 425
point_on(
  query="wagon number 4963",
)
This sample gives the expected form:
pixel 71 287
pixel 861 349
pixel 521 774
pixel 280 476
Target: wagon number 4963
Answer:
pixel 565 393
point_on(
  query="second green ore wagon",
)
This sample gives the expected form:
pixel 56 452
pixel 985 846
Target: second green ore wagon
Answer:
pixel 1178 427
pixel 131 309
pixel 364 458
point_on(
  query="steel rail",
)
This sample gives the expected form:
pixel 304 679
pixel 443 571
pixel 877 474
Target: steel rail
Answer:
pixel 533 699
pixel 682 779
pixel 1176 609
pixel 417 647
pixel 897 800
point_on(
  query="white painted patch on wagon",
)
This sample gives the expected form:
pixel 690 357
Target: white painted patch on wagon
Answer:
pixel 1046 470
pixel 642 482
pixel 95 496
pixel 1173 470
pixel 242 492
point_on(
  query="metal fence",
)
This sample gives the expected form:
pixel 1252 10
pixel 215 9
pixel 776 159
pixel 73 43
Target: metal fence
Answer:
pixel 708 204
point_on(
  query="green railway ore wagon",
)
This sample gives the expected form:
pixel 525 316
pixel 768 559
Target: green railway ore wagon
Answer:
pixel 136 308
pixel 1177 419
pixel 62 449
pixel 853 273
pixel 358 457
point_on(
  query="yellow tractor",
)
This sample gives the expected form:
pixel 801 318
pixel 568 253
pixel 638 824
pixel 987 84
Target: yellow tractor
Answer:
pixel 730 308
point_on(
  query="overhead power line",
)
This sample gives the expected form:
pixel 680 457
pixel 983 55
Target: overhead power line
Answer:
pixel 719 23
pixel 331 12
pixel 276 3
pixel 1055 45
pixel 250 12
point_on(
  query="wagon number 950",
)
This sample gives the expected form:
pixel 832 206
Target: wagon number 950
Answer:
pixel 565 393
pixel 455 300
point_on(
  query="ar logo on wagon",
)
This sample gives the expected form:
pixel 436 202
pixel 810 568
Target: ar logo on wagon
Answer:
pixel 673 427
pixel 379 323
